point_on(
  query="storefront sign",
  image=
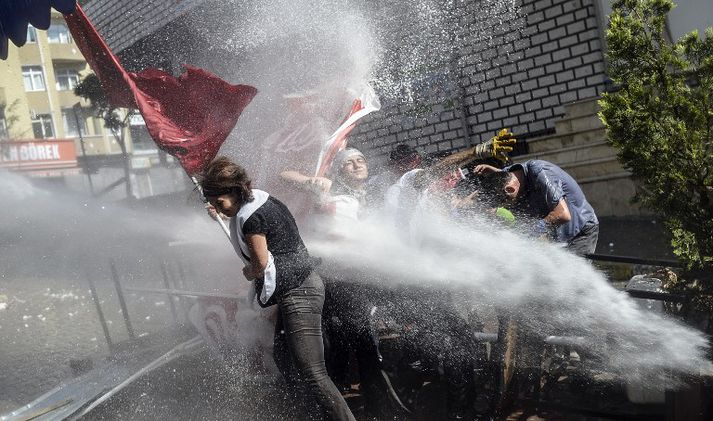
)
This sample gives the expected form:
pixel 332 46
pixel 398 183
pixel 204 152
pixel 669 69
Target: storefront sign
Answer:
pixel 32 155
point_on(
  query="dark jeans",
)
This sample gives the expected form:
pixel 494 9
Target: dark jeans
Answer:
pixel 300 318
pixel 586 241
pixel 348 326
pixel 440 333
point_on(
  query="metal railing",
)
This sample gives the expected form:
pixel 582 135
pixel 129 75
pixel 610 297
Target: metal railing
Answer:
pixel 633 260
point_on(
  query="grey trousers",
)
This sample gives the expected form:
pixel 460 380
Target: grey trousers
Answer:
pixel 301 319
pixel 585 242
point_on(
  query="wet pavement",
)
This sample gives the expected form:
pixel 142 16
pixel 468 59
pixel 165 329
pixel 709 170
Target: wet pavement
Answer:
pixel 199 387
pixel 49 326
pixel 45 324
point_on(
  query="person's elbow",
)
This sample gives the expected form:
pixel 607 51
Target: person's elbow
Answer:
pixel 560 214
pixel 563 214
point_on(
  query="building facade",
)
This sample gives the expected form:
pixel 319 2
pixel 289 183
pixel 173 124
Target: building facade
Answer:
pixel 38 109
pixel 36 90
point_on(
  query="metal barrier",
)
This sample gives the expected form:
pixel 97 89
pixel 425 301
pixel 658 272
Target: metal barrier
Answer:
pixel 633 260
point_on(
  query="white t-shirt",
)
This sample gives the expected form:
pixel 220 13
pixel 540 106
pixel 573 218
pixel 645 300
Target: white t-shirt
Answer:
pixel 334 215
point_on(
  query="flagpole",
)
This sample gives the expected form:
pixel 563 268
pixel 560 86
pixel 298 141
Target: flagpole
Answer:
pixel 218 218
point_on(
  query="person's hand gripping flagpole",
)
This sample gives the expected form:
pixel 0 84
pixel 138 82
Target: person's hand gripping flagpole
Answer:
pixel 218 216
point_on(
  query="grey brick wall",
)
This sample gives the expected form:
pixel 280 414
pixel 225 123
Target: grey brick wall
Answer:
pixel 515 79
pixel 121 23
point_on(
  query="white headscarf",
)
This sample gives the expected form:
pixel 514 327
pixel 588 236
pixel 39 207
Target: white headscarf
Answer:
pixel 340 158
pixel 341 186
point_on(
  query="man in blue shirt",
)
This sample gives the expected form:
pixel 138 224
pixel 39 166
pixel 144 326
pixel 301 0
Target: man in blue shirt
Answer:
pixel 543 190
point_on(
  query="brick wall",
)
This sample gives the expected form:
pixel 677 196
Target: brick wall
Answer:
pixel 518 76
pixel 122 23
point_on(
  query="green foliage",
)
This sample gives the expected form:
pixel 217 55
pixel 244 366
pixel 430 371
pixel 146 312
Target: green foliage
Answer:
pixel 90 88
pixel 661 121
pixel 9 114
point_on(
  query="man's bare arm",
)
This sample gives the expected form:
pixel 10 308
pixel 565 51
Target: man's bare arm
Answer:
pixel 559 215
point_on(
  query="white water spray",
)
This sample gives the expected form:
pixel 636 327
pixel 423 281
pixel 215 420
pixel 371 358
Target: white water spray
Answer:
pixel 284 47
pixel 549 290
pixel 61 234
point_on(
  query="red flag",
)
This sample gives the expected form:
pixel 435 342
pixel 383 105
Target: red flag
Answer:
pixel 189 117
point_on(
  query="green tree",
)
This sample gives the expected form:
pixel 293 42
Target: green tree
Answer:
pixel 8 118
pixel 661 121
pixel 90 88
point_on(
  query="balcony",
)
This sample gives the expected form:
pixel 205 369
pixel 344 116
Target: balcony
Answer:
pixel 65 53
pixel 37 101
pixel 30 54
pixel 67 98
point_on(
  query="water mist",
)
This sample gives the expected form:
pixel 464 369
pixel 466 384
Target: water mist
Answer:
pixel 323 48
pixel 548 290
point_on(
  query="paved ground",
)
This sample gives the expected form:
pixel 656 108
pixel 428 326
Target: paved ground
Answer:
pixel 46 323
pixel 200 388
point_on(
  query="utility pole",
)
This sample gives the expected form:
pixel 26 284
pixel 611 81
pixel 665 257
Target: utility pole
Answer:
pixel 75 109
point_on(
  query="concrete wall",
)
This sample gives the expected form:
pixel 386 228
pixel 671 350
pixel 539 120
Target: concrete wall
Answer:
pixel 689 15
pixel 684 18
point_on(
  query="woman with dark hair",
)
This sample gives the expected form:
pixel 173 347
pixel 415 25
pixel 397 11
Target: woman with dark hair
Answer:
pixel 264 234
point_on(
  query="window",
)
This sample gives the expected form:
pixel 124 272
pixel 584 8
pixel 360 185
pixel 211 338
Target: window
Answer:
pixel 58 33
pixel 140 137
pixel 98 125
pixel 67 79
pixel 33 78
pixel 31 34
pixel 70 123
pixel 42 126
